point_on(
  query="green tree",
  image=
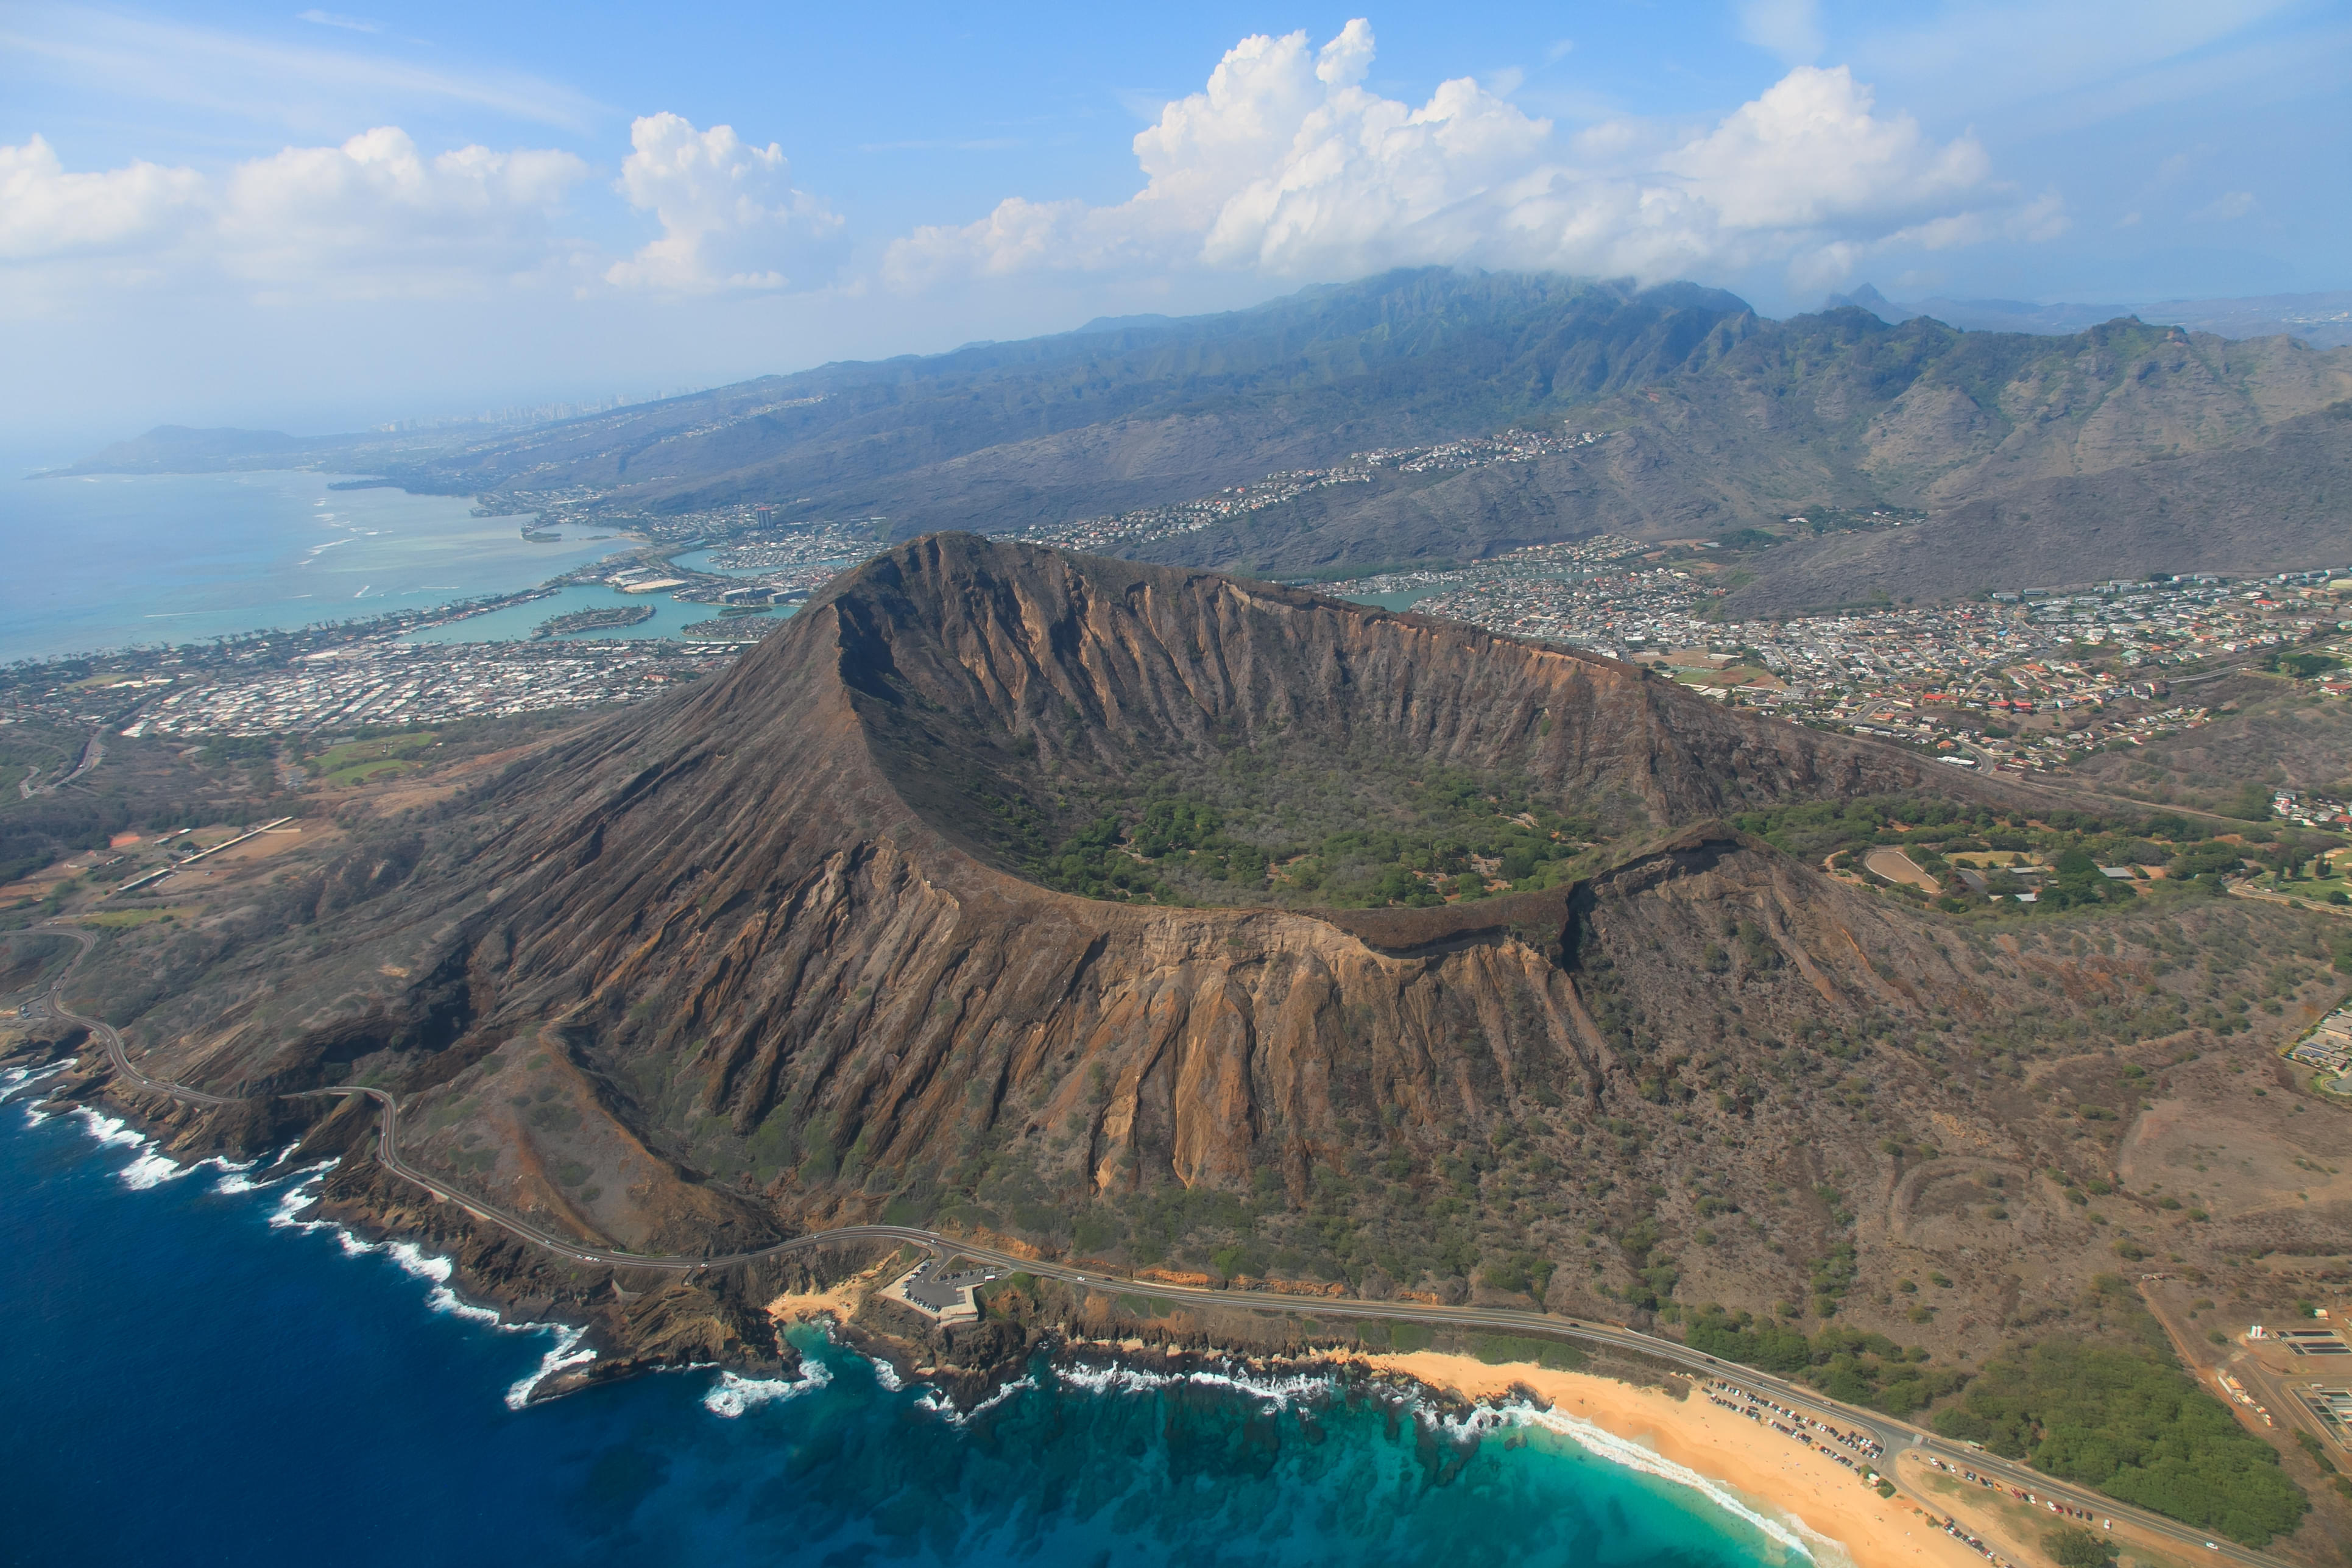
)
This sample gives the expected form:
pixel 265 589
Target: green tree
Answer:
pixel 2073 1548
pixel 2126 1420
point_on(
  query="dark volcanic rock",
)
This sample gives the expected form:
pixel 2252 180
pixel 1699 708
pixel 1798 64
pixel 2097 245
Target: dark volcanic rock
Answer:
pixel 777 898
pixel 759 958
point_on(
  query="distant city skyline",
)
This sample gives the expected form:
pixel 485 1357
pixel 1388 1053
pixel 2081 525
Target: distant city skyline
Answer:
pixel 222 214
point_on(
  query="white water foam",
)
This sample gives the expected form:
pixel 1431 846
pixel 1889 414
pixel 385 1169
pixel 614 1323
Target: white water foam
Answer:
pixel 940 1406
pixel 108 1132
pixel 150 1167
pixel 887 1375
pixel 419 1264
pixel 734 1393
pixel 1632 1456
pixel 152 1170
pixel 1791 1535
pixel 17 1079
pixel 562 1356
pixel 235 1180
pixel 1117 1378
pixel 300 1197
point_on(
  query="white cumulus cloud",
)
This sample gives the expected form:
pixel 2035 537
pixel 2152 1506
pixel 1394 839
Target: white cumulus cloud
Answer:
pixel 375 217
pixel 731 216
pixel 47 212
pixel 1286 165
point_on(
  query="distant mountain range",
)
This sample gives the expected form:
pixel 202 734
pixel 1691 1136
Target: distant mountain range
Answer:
pixel 2323 320
pixel 2121 447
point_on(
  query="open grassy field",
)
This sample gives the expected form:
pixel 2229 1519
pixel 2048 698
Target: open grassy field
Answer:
pixel 362 761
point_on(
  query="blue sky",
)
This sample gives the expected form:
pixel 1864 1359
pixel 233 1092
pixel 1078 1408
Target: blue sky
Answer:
pixel 317 218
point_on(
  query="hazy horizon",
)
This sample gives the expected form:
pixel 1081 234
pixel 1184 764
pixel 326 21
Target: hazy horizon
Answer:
pixel 30 461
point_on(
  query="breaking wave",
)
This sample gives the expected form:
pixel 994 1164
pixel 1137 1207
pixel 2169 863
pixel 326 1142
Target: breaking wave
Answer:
pixel 437 1271
pixel 734 1393
pixel 1282 1393
pixel 564 1356
pixel 1619 1451
pixel 108 1132
pixel 238 1179
pixel 152 1170
pixel 17 1078
pixel 940 1406
pixel 150 1166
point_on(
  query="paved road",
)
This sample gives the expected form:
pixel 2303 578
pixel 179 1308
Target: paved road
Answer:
pixel 93 752
pixel 1894 1436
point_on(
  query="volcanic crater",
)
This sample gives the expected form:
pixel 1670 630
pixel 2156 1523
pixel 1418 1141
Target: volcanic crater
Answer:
pixel 780 953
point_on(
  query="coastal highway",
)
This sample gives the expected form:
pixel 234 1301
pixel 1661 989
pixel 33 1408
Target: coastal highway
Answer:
pixel 1895 1436
pixel 93 752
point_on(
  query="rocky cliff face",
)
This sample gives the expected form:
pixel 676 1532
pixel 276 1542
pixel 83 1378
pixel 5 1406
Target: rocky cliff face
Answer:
pixel 758 959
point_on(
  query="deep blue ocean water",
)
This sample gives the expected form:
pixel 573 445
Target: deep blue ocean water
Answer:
pixel 186 1382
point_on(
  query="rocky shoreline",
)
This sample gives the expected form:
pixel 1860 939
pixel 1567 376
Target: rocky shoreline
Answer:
pixel 1446 1398
pixel 634 1321
pixel 733 1318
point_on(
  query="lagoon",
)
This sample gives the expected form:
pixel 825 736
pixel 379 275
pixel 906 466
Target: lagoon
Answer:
pixel 100 562
pixel 514 623
pixel 1400 600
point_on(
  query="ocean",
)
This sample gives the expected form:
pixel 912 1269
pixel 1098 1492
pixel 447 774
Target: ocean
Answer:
pixel 113 560
pixel 194 1378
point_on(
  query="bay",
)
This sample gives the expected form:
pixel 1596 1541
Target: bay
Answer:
pixel 110 560
pixel 515 623
pixel 188 1382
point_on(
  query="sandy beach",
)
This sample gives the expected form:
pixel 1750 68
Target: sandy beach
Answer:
pixel 1825 1505
pixel 839 1303
pixel 1824 1502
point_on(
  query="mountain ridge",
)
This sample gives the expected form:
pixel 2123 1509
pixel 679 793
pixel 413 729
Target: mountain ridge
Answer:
pixel 1713 420
pixel 2323 318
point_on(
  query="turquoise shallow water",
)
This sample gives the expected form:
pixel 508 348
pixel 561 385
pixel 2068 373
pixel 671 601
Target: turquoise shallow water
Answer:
pixel 517 622
pixel 188 1382
pixel 1403 599
pixel 110 560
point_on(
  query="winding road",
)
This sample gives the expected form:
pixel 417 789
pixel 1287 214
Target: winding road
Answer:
pixel 1895 1436
pixel 93 752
